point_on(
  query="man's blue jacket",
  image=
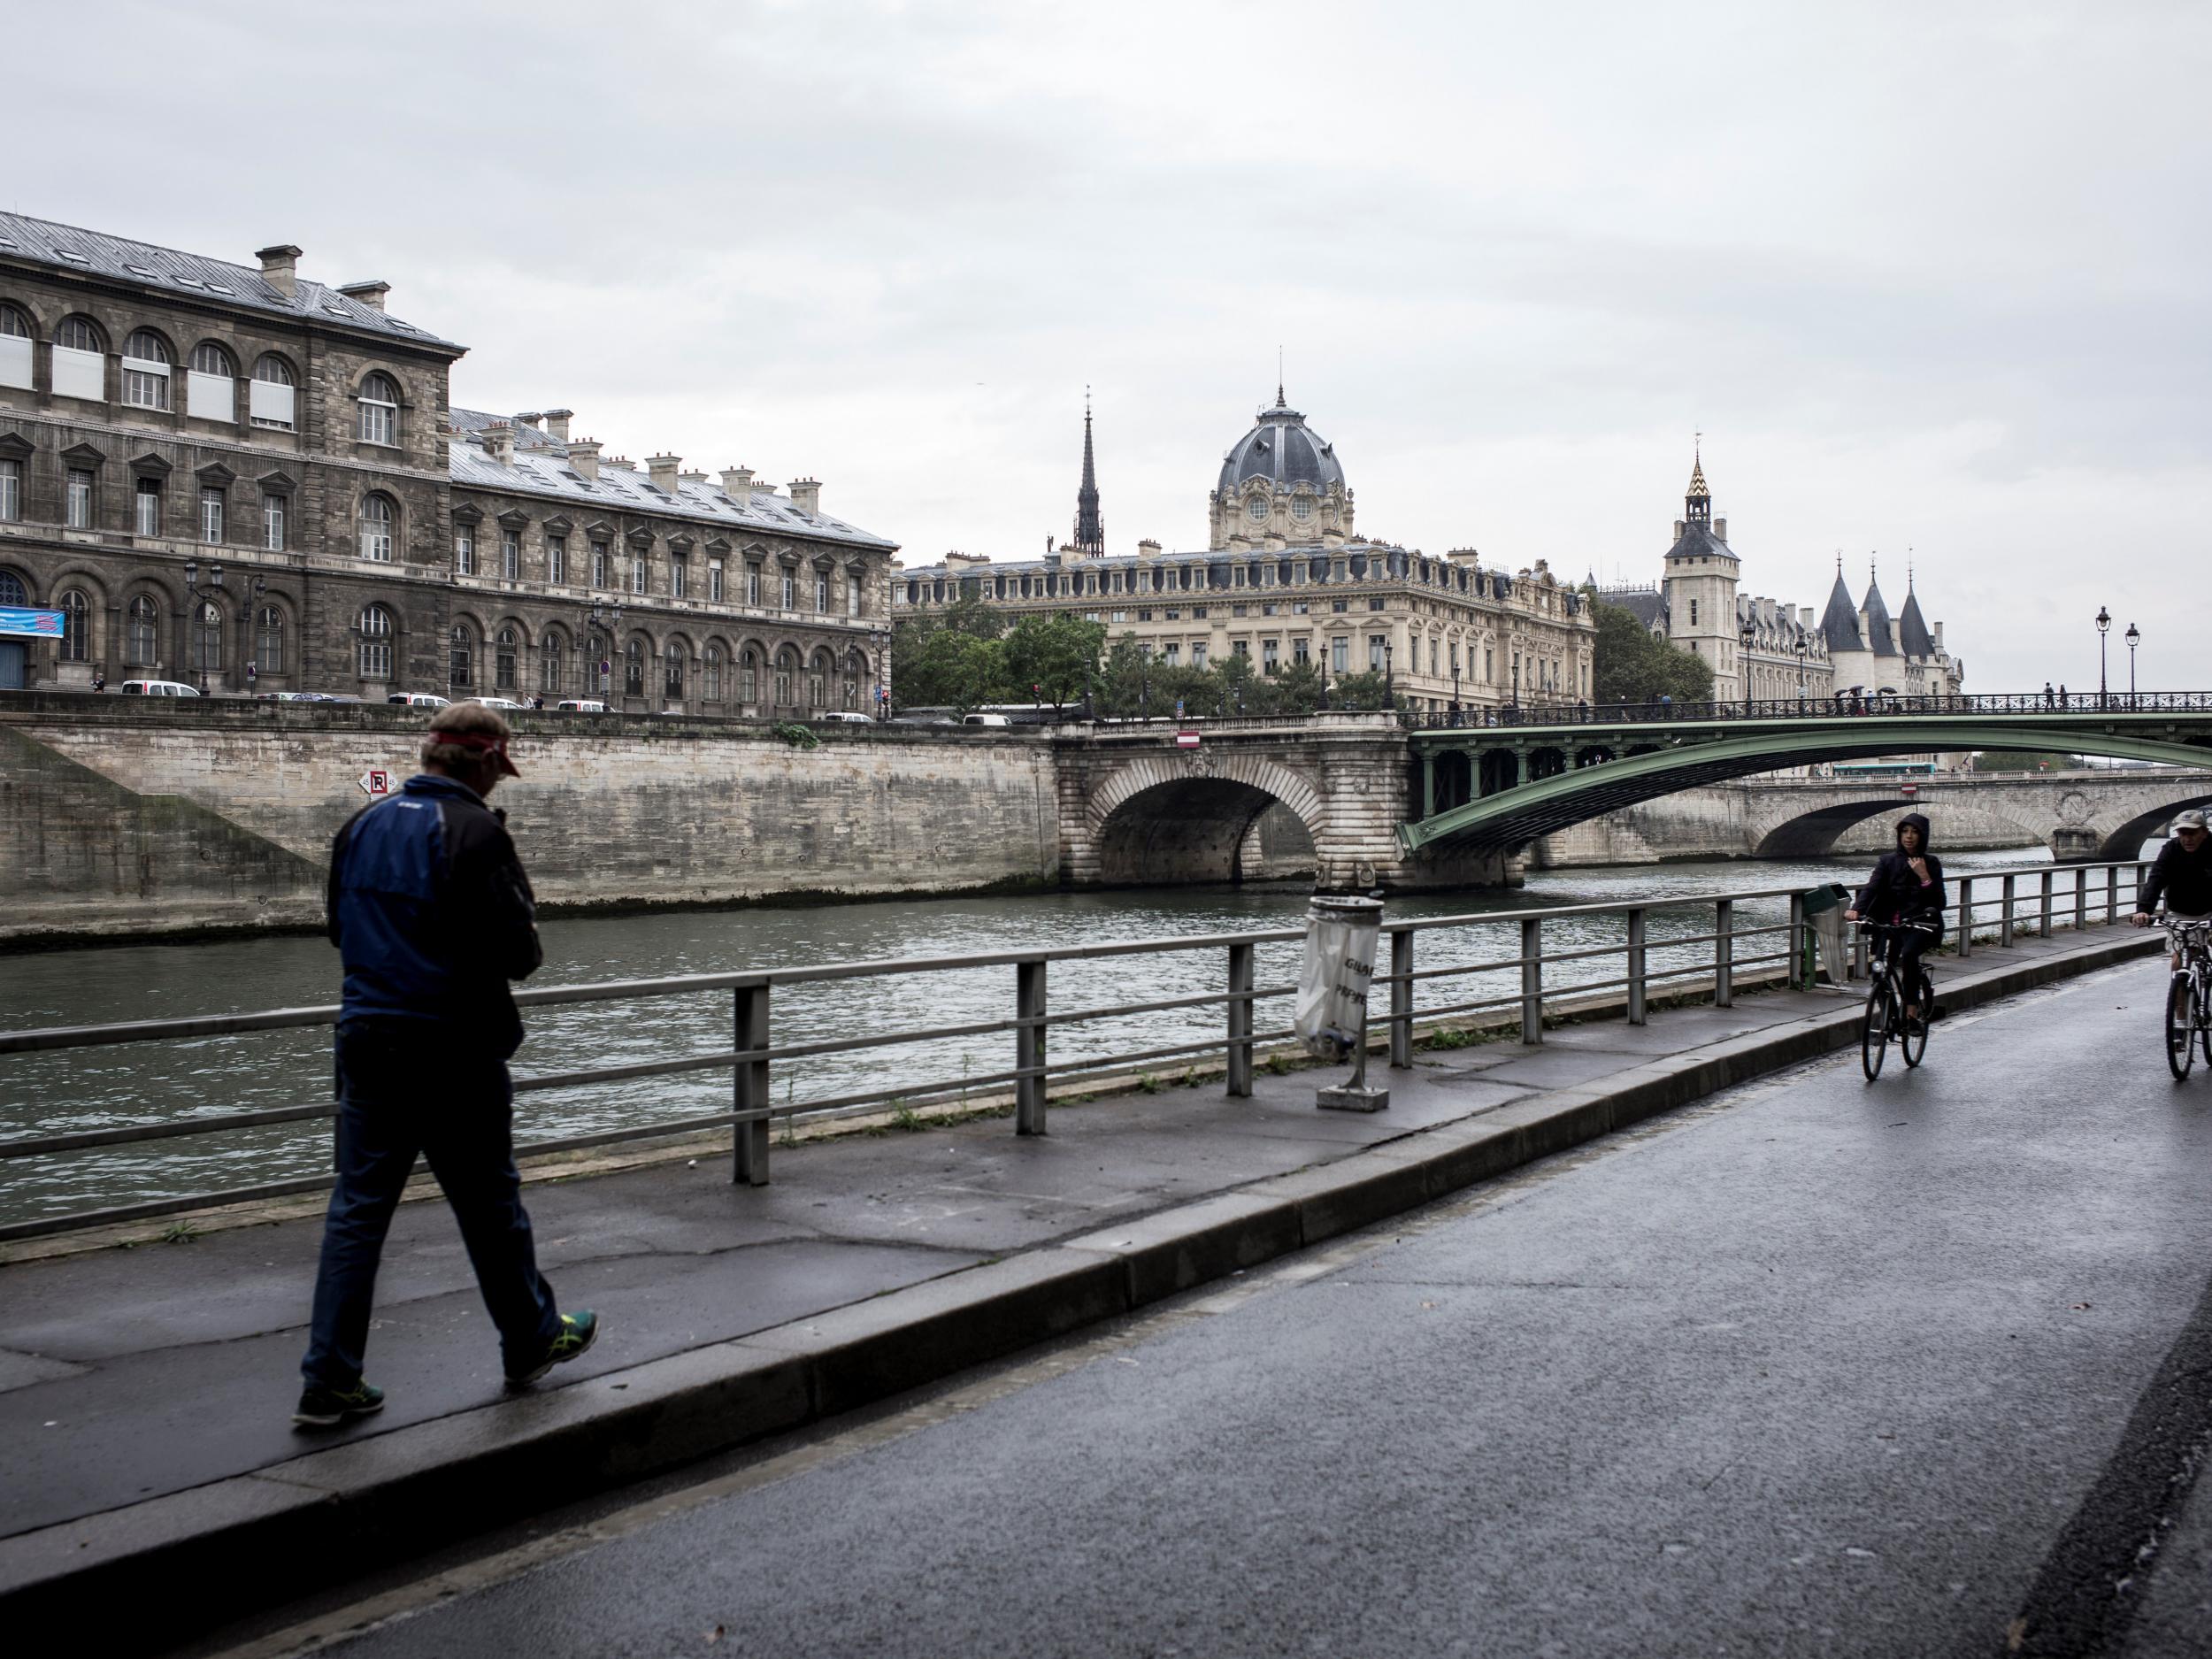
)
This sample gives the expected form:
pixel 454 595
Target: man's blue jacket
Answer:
pixel 433 913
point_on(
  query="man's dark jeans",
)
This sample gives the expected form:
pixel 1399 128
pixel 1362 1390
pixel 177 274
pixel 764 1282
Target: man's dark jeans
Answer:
pixel 398 1097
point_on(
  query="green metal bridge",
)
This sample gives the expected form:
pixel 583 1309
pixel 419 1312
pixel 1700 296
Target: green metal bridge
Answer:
pixel 1499 786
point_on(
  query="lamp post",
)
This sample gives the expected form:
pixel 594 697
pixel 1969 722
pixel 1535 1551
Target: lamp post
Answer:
pixel 1744 637
pixel 2134 637
pixel 194 595
pixel 1390 695
pixel 1804 647
pixel 1516 685
pixel 2104 626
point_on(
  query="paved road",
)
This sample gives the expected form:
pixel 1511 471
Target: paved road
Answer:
pixel 1817 1368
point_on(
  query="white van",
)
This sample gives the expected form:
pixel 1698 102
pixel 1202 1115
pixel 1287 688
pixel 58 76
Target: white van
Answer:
pixel 842 716
pixel 419 700
pixel 157 689
pixel 987 719
pixel 581 705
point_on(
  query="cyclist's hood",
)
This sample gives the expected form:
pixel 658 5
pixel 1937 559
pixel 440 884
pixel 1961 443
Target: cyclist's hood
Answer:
pixel 1914 820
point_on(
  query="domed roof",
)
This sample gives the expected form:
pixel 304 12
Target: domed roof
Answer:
pixel 1283 450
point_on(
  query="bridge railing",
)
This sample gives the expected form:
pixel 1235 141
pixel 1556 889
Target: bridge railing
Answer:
pixel 1507 971
pixel 1552 712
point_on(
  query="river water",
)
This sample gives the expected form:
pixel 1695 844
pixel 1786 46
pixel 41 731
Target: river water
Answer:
pixel 94 1089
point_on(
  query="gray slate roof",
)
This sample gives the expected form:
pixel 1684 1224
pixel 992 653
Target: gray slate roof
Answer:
pixel 1840 623
pixel 89 252
pixel 1697 539
pixel 541 468
pixel 1912 627
pixel 1281 449
pixel 1877 620
pixel 1223 557
pixel 1648 605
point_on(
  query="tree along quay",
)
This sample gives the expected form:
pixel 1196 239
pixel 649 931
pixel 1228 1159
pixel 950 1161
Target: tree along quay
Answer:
pixel 963 1011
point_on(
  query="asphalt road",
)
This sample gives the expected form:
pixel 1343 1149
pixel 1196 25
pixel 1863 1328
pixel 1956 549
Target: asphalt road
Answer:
pixel 1818 1367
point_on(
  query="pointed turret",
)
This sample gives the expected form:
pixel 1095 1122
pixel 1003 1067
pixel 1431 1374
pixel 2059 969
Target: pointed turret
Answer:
pixel 1839 622
pixel 1876 610
pixel 1090 527
pixel 1913 631
pixel 1698 505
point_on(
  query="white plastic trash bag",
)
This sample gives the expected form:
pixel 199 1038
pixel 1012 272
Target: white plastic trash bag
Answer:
pixel 1342 935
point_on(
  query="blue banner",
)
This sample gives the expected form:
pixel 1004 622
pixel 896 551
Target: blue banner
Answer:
pixel 40 625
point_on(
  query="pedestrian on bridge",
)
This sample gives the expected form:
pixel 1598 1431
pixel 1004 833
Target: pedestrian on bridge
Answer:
pixel 429 906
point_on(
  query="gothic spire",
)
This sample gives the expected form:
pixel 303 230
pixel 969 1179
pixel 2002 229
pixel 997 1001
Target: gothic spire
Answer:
pixel 1699 503
pixel 1090 528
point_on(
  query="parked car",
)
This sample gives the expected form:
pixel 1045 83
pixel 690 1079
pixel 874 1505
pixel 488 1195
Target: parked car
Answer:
pixel 157 689
pixel 302 696
pixel 842 716
pixel 985 719
pixel 581 705
pixel 496 703
pixel 420 700
pixel 923 719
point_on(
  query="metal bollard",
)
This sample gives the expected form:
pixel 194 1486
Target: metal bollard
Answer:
pixel 1966 916
pixel 2046 927
pixel 1029 1046
pixel 1801 971
pixel 1402 999
pixel 751 1092
pixel 1531 979
pixel 1637 960
pixel 2004 927
pixel 2111 895
pixel 2081 900
pixel 1240 983
pixel 1724 953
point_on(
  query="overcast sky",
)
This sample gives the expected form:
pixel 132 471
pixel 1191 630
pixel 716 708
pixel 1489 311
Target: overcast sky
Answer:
pixel 1925 276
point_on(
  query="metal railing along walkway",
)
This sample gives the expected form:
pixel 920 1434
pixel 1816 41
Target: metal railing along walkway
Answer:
pixel 1535 976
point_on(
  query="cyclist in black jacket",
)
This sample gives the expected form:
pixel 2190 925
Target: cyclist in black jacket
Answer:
pixel 2182 876
pixel 1907 890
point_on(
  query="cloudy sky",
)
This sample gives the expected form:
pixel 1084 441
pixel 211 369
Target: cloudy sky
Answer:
pixel 1925 277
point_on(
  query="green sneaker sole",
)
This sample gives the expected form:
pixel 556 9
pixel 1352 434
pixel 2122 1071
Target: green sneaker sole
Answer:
pixel 561 1352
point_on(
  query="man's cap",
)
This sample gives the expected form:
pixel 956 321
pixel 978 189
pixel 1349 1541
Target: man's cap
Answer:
pixel 482 743
pixel 2189 819
pixel 472 726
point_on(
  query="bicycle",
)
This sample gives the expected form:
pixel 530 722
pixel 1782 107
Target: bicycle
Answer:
pixel 1884 1022
pixel 2189 997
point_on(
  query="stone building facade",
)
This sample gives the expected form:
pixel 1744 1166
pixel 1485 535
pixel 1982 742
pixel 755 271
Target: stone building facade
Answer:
pixel 1287 579
pixel 246 481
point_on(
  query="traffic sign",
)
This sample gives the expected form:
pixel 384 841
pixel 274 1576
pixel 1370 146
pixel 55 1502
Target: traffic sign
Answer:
pixel 1187 739
pixel 376 783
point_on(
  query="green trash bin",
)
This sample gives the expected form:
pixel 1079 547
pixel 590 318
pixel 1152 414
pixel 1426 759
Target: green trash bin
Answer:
pixel 1824 908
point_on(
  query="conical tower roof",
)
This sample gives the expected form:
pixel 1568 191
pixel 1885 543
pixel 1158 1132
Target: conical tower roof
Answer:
pixel 1912 627
pixel 1840 623
pixel 1877 618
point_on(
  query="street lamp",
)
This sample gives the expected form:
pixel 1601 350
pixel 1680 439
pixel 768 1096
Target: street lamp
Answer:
pixel 2104 626
pixel 1804 647
pixel 1745 635
pixel 195 595
pixel 1390 696
pixel 2134 637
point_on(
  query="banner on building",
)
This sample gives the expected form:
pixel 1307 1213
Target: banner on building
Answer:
pixel 37 624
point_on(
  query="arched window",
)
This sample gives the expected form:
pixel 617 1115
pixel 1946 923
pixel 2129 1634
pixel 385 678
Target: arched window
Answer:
pixel 12 589
pixel 634 669
pixel 207 638
pixel 786 673
pixel 146 363
pixel 461 655
pixel 212 389
pixel 142 633
pixel 15 347
pixel 817 680
pixel 76 627
pixel 710 675
pixel 504 660
pixel 376 642
pixel 749 678
pixel 273 400
pixel 268 640
pixel 377 518
pixel 852 591
pixel 856 665
pixel 549 652
pixel 380 410
pixel 673 670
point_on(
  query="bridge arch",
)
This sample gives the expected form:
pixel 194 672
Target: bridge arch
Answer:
pixel 1813 835
pixel 1188 817
pixel 2127 840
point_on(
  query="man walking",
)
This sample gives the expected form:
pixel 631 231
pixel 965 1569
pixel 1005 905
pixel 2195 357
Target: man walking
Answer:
pixel 434 915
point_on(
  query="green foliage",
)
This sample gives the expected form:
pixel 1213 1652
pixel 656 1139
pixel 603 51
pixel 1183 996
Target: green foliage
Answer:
pixel 1633 665
pixel 906 1119
pixel 933 662
pixel 1358 691
pixel 1148 1084
pixel 795 735
pixel 1449 1038
pixel 2025 760
pixel 1052 658
pixel 180 1232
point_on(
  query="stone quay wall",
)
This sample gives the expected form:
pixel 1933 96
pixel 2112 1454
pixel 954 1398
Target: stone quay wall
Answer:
pixel 135 817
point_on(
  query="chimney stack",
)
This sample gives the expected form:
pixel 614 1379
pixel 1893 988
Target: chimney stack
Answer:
pixel 691 478
pixel 1720 531
pixel 737 482
pixel 530 417
pixel 662 470
pixel 583 456
pixel 369 294
pixel 556 423
pixel 806 495
pixel 1147 548
pixel 499 443
pixel 280 268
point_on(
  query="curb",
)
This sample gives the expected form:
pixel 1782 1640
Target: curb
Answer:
pixel 156 1573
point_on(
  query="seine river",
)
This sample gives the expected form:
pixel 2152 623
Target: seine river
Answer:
pixel 103 1087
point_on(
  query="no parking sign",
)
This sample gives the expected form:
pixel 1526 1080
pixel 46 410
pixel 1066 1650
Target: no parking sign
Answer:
pixel 376 783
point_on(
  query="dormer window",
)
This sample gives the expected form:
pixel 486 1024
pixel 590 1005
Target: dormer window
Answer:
pixel 146 364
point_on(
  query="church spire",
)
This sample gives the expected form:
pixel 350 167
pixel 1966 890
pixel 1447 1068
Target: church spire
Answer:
pixel 1698 504
pixel 1090 528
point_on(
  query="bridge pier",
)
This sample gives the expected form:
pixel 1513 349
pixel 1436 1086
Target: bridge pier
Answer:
pixel 2075 844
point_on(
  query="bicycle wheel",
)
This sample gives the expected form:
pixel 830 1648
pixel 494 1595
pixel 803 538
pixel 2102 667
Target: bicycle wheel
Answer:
pixel 2181 1048
pixel 1914 1043
pixel 1874 1029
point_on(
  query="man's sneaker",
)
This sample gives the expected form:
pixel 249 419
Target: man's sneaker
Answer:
pixel 578 1332
pixel 322 1407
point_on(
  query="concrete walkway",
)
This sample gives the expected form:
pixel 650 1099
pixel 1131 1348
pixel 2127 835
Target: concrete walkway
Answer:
pixel 145 1393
